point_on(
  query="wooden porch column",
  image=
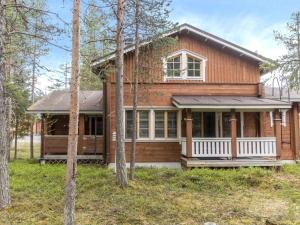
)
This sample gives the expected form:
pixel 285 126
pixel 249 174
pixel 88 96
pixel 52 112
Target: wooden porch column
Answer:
pixel 277 132
pixel 42 136
pixel 295 129
pixel 233 134
pixel 81 134
pixel 189 133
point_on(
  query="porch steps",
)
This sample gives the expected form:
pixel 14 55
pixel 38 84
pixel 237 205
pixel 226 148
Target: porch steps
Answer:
pixel 198 163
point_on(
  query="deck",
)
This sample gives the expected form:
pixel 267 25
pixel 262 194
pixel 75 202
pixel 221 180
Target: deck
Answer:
pixel 223 163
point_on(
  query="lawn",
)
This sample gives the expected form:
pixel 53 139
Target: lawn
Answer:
pixel 157 196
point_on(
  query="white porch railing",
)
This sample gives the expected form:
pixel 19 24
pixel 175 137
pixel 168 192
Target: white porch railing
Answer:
pixel 211 147
pixel 221 147
pixel 256 146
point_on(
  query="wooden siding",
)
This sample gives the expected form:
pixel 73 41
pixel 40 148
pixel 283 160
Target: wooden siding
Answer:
pixel 58 144
pixel 152 152
pixel 223 65
pixel 226 74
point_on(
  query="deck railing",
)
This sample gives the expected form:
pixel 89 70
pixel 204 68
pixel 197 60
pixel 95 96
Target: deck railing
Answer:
pixel 221 147
pixel 256 146
pixel 211 147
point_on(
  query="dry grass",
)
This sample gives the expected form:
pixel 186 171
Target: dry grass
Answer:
pixel 157 196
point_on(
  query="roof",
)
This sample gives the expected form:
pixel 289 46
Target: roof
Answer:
pixel 195 30
pixel 59 102
pixel 273 93
pixel 227 102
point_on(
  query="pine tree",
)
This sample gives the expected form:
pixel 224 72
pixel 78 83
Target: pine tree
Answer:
pixel 289 63
pixel 120 148
pixel 69 210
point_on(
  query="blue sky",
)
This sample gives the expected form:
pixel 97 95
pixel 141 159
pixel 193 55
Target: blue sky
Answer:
pixel 249 23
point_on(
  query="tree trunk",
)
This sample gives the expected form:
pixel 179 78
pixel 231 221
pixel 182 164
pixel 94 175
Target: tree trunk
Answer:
pixel 32 101
pixel 135 90
pixel 16 137
pixel 4 180
pixel 120 150
pixel 69 210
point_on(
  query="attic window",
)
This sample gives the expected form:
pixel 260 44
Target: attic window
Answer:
pixel 184 65
pixel 193 67
pixel 173 67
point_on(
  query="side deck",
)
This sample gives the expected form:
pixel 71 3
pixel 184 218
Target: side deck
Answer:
pixel 224 163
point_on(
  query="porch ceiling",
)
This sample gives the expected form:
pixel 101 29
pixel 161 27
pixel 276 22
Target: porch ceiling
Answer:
pixel 228 102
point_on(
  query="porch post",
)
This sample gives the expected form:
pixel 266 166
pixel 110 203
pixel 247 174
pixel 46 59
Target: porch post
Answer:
pixel 295 129
pixel 189 134
pixel 42 137
pixel 81 134
pixel 277 132
pixel 233 134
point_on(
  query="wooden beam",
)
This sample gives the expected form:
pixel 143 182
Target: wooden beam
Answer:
pixel 42 136
pixel 295 129
pixel 189 135
pixel 81 134
pixel 277 132
pixel 233 134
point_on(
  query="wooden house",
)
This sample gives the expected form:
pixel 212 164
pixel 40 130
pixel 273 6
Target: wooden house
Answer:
pixel 201 104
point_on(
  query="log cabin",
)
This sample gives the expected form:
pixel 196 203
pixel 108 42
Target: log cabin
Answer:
pixel 200 104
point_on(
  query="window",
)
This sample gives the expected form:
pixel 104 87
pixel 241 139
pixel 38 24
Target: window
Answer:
pixel 197 124
pixel 143 124
pixel 129 123
pixel 165 124
pixel 159 124
pixel 172 124
pixel 153 124
pixel 185 64
pixel 193 67
pixel 173 67
pixel 93 125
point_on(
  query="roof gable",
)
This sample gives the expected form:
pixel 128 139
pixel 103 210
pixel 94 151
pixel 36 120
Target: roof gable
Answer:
pixel 201 33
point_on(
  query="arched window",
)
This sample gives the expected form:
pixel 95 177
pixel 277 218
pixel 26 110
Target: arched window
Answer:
pixel 185 65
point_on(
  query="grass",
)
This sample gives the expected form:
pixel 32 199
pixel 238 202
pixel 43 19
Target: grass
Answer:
pixel 23 151
pixel 157 196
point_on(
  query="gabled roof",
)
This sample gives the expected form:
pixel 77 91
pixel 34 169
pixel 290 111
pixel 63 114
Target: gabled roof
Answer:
pixel 59 102
pixel 189 28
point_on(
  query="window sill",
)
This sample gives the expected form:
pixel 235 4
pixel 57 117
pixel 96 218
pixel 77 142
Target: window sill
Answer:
pixel 156 140
pixel 183 79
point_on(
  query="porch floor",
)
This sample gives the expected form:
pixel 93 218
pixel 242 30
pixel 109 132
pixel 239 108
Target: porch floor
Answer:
pixel 219 163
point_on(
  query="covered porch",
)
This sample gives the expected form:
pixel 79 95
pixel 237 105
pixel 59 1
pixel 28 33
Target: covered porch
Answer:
pixel 230 131
pixel 53 111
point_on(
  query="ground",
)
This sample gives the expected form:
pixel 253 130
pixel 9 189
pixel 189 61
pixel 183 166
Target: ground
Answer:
pixel 157 196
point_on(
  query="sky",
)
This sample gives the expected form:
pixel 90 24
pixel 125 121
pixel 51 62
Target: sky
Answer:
pixel 248 23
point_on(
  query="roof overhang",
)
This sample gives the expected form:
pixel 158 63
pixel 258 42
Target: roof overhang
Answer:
pixel 60 112
pixel 241 103
pixel 186 27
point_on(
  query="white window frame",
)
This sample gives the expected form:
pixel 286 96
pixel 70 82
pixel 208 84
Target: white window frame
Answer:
pixel 184 65
pixel 152 137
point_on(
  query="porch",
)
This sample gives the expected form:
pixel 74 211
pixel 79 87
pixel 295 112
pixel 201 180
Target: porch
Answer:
pixel 219 134
pixel 54 137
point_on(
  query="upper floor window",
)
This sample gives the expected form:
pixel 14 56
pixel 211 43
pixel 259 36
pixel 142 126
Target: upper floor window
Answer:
pixel 193 67
pixel 173 67
pixel 184 64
